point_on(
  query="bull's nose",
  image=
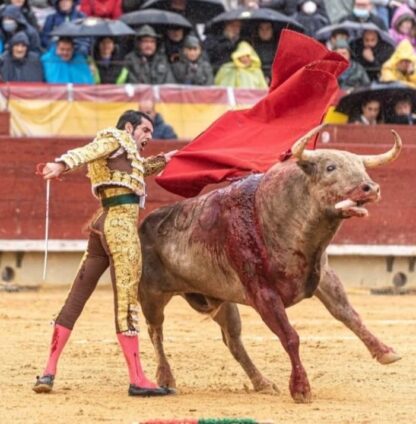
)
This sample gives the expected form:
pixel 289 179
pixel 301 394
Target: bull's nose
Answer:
pixel 370 187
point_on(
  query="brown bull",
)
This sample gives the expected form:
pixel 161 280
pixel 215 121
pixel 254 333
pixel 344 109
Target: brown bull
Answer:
pixel 261 242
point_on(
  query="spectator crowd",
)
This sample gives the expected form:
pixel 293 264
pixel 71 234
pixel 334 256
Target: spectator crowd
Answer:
pixel 233 53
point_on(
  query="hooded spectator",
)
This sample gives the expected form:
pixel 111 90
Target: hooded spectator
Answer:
pixel 401 66
pixel 244 71
pixel 12 22
pixel 264 42
pixel 18 63
pixel 192 68
pixel 65 11
pixel 110 9
pixel 362 12
pixel 371 52
pixel 355 75
pixel 26 9
pixel 308 14
pixel 108 63
pixel 220 46
pixel 63 65
pixel 403 24
pixel 173 42
pixel 147 63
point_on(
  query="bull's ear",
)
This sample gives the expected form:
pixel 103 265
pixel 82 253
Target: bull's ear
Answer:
pixel 309 168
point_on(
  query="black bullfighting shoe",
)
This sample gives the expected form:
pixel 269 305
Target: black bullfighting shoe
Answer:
pixel 147 392
pixel 44 384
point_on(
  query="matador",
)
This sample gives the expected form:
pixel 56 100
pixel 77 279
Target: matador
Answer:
pixel 117 172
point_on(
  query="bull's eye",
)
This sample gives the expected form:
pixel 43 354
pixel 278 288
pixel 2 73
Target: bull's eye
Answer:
pixel 331 168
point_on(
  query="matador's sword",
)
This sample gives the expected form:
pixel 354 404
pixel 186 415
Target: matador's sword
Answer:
pixel 39 169
pixel 45 256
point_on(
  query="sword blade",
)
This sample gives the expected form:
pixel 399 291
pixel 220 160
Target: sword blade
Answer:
pixel 45 257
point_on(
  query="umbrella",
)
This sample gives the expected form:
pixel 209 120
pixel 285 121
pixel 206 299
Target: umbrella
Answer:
pixel 354 29
pixel 197 11
pixel 253 16
pixel 387 94
pixel 92 27
pixel 155 17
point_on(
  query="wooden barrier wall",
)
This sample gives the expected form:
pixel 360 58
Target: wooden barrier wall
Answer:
pixel 22 194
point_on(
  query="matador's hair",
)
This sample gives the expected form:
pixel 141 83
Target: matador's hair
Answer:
pixel 135 118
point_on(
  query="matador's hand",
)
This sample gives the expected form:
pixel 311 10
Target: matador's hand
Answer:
pixel 169 155
pixel 53 170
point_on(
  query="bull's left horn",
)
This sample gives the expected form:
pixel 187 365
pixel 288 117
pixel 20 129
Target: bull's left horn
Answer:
pixel 371 161
pixel 298 148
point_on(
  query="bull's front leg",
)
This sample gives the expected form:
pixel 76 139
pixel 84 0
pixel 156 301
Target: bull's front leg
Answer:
pixel 332 294
pixel 272 310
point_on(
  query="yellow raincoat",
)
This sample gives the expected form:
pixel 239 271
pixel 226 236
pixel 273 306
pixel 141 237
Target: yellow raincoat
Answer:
pixel 389 71
pixel 235 74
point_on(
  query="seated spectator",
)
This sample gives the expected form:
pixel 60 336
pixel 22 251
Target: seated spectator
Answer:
pixel 371 52
pixel 65 11
pixel 244 71
pixel 264 42
pixel 161 130
pixel 337 34
pixel 402 113
pixel 12 22
pixel 148 64
pixel 62 65
pixel 362 12
pixel 26 9
pixel 220 46
pixel 355 75
pixel 308 15
pixel 192 68
pixel 110 9
pixel 370 113
pixel 18 63
pixel 401 66
pixel 42 9
pixel 107 62
pixel 173 41
pixel 287 7
pixel 403 24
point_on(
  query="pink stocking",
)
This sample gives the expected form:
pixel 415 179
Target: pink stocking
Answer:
pixel 130 347
pixel 59 338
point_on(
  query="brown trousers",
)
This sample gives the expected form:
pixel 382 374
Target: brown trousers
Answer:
pixel 113 242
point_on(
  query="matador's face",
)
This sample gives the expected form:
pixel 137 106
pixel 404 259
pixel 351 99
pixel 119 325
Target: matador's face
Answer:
pixel 142 134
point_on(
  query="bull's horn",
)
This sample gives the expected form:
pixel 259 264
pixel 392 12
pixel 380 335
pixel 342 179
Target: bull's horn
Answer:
pixel 371 161
pixel 298 148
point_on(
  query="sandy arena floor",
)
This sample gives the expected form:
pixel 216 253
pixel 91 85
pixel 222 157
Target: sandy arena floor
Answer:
pixel 348 386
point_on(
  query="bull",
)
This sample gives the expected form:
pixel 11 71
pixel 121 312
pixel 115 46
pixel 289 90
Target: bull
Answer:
pixel 260 241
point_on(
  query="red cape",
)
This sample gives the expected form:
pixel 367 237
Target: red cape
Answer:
pixel 304 81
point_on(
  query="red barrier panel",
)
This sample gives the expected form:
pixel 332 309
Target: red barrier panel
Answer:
pixel 22 194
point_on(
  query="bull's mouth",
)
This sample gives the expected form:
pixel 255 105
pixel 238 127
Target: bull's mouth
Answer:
pixel 349 208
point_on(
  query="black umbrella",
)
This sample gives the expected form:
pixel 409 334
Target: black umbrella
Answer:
pixel 387 94
pixel 354 30
pixel 156 18
pixel 198 11
pixel 93 27
pixel 253 16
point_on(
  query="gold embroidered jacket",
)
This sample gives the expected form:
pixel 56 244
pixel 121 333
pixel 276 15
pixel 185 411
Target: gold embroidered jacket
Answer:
pixel 110 144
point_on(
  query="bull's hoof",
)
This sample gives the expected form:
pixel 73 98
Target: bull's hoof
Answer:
pixel 388 358
pixel 165 378
pixel 266 386
pixel 302 397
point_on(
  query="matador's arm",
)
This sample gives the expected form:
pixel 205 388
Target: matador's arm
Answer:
pixel 154 164
pixel 101 146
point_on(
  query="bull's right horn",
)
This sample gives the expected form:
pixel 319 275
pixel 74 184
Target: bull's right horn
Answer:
pixel 298 148
pixel 371 161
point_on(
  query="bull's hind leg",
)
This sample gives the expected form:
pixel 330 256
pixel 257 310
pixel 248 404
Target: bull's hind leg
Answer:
pixel 227 317
pixel 331 293
pixel 153 305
